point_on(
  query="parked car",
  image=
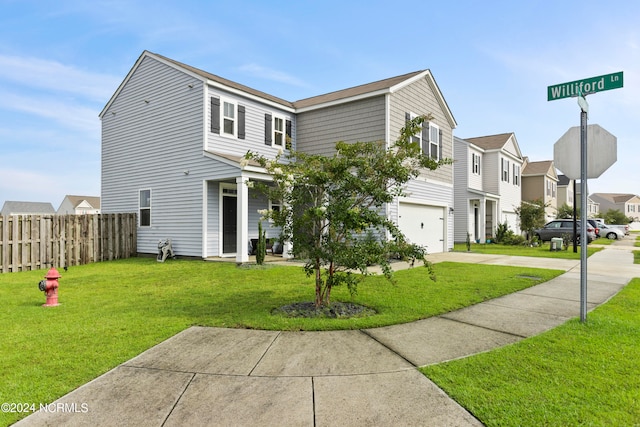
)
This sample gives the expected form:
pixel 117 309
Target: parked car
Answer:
pixel 561 228
pixel 622 227
pixel 603 230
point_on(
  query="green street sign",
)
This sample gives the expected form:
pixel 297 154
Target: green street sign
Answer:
pixel 585 86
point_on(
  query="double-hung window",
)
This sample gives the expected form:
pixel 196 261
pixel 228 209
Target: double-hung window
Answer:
pixel 429 140
pixel 278 132
pixel 228 118
pixel 516 174
pixel 475 163
pixel 434 142
pixel 145 208
pixel 505 170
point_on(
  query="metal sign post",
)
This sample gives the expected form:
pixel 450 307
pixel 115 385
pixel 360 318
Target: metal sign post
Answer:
pixel 583 208
pixel 581 88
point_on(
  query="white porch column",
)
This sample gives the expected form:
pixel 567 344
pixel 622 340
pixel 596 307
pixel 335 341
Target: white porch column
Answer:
pixel 483 220
pixel 242 227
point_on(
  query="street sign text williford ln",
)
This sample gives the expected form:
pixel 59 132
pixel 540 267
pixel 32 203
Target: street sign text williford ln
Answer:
pixel 585 86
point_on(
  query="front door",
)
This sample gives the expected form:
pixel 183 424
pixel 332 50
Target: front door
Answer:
pixel 229 224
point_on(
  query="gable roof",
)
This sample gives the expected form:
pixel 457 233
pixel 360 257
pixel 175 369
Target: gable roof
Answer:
pixel 199 74
pixel 490 142
pixel 376 88
pixel 379 87
pixel 615 197
pixel 544 167
pixel 563 180
pixel 91 200
pixel 506 142
pixel 27 208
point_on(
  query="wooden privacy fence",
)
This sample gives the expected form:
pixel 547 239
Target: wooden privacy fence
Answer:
pixel 32 242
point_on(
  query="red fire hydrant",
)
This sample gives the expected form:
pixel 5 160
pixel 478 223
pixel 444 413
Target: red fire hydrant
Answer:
pixel 51 287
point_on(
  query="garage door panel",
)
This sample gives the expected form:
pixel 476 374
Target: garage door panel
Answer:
pixel 423 225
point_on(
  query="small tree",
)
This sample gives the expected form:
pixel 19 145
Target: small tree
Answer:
pixel 615 216
pixel 531 215
pixel 332 207
pixel 566 212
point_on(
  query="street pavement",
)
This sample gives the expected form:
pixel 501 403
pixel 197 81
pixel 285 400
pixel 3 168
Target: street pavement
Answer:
pixel 237 377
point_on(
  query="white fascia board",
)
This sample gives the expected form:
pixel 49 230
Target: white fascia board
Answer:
pixel 484 194
pixel 244 94
pixel 220 159
pixel 249 171
pixel 343 100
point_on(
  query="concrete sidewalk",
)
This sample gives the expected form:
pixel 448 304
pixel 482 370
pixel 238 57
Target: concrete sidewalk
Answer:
pixel 233 377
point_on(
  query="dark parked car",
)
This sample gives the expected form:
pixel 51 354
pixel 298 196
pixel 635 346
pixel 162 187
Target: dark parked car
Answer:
pixel 561 228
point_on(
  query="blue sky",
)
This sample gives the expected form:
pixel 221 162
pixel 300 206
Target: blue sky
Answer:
pixel 61 61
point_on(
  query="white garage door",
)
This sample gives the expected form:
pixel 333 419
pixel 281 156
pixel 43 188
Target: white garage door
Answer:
pixel 423 225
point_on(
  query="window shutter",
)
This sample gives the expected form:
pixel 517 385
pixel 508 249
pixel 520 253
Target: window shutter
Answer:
pixel 287 142
pixel 215 115
pixel 267 129
pixel 241 122
pixel 439 144
pixel 407 117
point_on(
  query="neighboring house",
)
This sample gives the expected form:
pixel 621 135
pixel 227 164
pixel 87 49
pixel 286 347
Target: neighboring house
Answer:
pixel 174 137
pixel 27 208
pixel 593 208
pixel 487 174
pixel 540 182
pixel 628 204
pixel 565 191
pixel 79 205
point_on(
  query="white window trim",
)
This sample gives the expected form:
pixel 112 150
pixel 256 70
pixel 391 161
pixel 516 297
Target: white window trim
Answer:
pixel 475 164
pixel 149 208
pixel 504 170
pixel 224 100
pixel 434 142
pixel 274 132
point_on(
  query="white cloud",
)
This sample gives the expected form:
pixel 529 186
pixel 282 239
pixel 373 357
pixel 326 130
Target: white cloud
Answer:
pixel 70 115
pixel 57 77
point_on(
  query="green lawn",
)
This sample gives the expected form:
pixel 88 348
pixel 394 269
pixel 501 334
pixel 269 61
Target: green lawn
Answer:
pixel 112 311
pixel 576 374
pixel 520 250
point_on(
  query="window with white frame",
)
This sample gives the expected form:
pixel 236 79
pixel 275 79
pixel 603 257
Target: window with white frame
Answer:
pixel 516 174
pixel 228 118
pixel 275 205
pixel 416 137
pixel 429 139
pixel 475 163
pixel 145 208
pixel 505 170
pixel 278 132
pixel 434 142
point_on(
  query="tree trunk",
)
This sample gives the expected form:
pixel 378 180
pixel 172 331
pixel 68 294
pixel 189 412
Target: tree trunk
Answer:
pixel 318 283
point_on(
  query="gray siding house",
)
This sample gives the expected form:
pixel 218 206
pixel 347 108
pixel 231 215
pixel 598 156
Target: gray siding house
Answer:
pixel 173 138
pixel 488 185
